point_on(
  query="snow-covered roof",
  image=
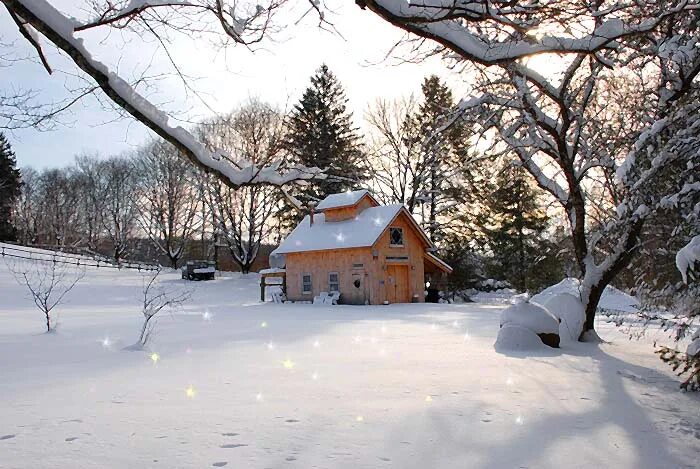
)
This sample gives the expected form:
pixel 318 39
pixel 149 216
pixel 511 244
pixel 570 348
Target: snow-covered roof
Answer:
pixel 361 231
pixel 439 262
pixel 341 199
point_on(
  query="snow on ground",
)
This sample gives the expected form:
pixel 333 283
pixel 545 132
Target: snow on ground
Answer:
pixel 240 384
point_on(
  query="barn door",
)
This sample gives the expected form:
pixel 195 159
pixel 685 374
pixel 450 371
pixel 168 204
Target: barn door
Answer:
pixel 357 289
pixel 397 288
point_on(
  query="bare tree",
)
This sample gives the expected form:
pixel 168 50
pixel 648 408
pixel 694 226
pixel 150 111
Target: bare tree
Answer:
pixel 27 214
pixel 155 299
pixel 110 200
pixel 550 120
pixel 242 217
pixel 167 200
pixel 48 282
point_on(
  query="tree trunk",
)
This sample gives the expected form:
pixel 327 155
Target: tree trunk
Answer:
pixel 48 321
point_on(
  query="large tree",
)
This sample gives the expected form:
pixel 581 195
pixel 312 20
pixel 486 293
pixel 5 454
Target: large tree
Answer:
pixel 416 164
pixel 556 121
pixel 514 223
pixel 320 131
pixel 10 187
pixel 242 217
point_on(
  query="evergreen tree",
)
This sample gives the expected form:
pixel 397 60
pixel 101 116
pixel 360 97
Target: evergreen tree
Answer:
pixel 514 226
pixel 10 188
pixel 445 185
pixel 320 133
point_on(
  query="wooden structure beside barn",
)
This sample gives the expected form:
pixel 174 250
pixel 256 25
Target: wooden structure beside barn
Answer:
pixel 370 253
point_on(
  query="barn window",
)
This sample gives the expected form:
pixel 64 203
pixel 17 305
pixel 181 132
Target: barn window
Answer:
pixel 306 287
pixel 358 266
pixel 333 282
pixel 396 236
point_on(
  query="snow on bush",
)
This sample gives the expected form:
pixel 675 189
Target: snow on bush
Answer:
pixel 694 346
pixel 514 337
pixel 687 257
pixel 521 322
pixel 612 298
pixel 530 316
pixel 569 309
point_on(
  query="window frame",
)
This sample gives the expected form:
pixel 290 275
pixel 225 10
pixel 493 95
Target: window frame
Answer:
pixel 310 283
pixel 391 240
pixel 337 282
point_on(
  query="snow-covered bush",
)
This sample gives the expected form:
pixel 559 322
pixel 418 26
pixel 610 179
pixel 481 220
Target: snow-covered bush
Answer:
pixel 529 316
pixel 570 312
pixel 685 363
pixel 514 337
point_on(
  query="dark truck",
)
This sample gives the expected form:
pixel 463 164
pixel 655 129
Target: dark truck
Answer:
pixel 199 270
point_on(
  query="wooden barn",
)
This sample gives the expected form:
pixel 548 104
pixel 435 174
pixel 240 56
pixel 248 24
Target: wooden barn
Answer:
pixel 369 253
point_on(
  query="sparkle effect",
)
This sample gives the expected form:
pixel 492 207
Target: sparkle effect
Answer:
pixel 270 346
pixel 314 376
pixel 259 397
pixel 263 324
pixel 428 399
pixel 106 342
pixel 359 418
pixel 155 357
pixel 288 364
pixel 190 392
pixel 207 316
pixel 317 344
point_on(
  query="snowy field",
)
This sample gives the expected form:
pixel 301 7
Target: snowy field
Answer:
pixel 240 384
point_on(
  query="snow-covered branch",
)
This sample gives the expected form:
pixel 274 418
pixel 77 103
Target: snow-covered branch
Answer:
pixel 60 30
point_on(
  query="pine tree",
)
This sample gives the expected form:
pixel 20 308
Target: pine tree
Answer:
pixel 514 226
pixel 320 133
pixel 444 155
pixel 10 187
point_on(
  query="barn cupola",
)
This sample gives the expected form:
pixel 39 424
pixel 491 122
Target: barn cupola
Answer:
pixel 346 205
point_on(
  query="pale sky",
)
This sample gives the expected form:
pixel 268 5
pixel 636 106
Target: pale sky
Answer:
pixel 277 73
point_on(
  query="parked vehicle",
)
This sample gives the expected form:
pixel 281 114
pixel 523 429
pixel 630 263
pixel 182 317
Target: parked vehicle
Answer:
pixel 199 270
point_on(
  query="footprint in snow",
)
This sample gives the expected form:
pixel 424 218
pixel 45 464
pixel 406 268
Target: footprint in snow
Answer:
pixel 220 464
pixel 7 437
pixel 229 434
pixel 291 421
pixel 486 420
pixel 290 458
pixel 233 445
pixel 384 459
pixel 72 438
pixel 72 421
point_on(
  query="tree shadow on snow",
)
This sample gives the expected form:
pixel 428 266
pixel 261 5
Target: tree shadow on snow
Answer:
pixel 616 406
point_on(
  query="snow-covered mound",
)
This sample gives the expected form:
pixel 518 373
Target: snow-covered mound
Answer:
pixel 569 309
pixel 530 316
pixel 523 321
pixel 514 337
pixel 612 298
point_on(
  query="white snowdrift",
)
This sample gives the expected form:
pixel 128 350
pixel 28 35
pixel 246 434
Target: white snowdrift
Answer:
pixel 569 309
pixel 612 298
pixel 532 317
pixel 514 337
pixel 520 325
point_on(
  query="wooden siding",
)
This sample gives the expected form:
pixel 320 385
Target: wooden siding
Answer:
pixel 381 279
pixel 348 212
